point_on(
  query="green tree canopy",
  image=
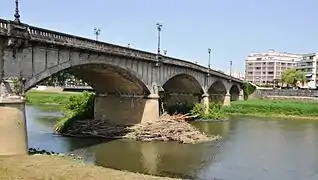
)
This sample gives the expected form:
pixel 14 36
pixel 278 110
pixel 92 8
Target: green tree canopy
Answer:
pixel 291 76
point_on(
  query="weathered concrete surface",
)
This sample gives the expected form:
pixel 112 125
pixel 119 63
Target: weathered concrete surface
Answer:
pixel 205 102
pixel 13 134
pixel 227 100
pixel 126 110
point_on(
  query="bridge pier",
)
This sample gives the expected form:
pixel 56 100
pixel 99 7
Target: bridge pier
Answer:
pixel 227 99
pixel 241 96
pixel 126 110
pixel 205 102
pixel 13 131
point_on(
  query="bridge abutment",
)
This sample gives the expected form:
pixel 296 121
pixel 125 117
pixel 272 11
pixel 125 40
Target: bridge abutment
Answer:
pixel 126 110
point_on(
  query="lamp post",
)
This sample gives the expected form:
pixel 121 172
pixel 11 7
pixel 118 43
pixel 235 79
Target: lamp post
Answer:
pixel 159 28
pixel 97 33
pixel 209 65
pixel 230 71
pixel 17 15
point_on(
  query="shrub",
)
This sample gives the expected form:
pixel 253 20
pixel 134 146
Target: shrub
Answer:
pixel 76 108
pixel 215 112
pixel 248 89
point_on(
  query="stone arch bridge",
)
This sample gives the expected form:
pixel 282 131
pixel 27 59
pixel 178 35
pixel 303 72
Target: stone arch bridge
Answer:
pixel 128 82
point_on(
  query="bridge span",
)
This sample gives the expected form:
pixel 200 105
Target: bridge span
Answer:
pixel 128 82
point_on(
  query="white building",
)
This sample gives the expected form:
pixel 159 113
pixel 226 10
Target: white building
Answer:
pixel 308 65
pixel 267 67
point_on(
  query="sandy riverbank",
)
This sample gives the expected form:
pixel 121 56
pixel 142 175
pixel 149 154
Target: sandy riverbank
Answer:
pixel 59 168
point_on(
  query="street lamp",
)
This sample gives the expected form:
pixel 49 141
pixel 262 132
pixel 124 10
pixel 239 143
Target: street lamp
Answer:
pixel 97 33
pixel 165 52
pixel 230 71
pixel 159 28
pixel 209 65
pixel 17 15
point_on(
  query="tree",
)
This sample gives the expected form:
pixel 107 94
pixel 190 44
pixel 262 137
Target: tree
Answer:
pixel 291 76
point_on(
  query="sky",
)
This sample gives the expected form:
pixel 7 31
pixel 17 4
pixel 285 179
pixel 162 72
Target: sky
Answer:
pixel 231 28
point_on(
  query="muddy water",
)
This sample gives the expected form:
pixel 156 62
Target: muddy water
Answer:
pixel 252 148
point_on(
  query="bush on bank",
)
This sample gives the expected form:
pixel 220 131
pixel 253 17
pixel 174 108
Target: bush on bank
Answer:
pixel 77 107
pixel 248 89
pixel 215 112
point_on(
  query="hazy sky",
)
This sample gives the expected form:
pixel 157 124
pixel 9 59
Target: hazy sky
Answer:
pixel 231 28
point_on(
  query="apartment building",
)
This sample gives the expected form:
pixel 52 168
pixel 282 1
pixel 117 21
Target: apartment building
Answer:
pixel 266 67
pixel 308 64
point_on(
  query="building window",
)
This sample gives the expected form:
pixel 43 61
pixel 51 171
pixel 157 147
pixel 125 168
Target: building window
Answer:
pixel 258 67
pixel 258 59
pixel 270 72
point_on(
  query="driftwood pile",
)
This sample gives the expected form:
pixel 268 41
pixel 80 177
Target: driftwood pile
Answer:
pixel 166 128
pixel 96 128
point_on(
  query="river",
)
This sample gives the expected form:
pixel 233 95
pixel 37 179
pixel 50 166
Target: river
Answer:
pixel 251 148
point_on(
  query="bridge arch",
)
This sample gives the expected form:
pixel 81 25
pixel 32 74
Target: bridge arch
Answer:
pixel 217 91
pixel 181 92
pixel 235 92
pixel 102 76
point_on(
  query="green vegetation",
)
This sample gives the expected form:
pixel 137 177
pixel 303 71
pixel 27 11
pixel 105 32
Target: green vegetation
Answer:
pixel 48 98
pixel 77 107
pixel 215 112
pixel 274 108
pixel 248 89
pixel 292 76
pixel 295 109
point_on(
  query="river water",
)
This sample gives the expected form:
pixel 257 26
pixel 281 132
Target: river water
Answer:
pixel 251 148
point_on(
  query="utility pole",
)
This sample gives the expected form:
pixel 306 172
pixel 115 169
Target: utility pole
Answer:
pixel 97 33
pixel 159 28
pixel 17 15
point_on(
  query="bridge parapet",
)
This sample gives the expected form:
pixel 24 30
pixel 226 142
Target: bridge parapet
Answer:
pixel 3 26
pixel 46 36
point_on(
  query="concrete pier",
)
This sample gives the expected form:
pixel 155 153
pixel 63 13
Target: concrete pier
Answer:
pixel 13 131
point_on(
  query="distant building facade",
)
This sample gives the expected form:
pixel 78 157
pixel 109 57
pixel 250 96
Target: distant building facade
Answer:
pixel 266 68
pixel 308 64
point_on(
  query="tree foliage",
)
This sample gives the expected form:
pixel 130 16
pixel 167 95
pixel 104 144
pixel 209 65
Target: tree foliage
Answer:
pixel 248 89
pixel 292 76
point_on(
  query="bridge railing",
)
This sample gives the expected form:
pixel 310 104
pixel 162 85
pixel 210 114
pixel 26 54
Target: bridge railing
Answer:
pixel 59 38
pixel 75 41
pixel 3 26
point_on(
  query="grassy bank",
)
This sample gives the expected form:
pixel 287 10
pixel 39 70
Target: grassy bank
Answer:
pixel 48 98
pixel 54 168
pixel 275 108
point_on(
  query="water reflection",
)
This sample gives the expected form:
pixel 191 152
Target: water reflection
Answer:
pixel 251 148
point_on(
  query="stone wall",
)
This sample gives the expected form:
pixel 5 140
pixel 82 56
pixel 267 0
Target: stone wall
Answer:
pixel 267 93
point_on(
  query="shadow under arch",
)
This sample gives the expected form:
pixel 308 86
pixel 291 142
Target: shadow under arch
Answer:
pixel 180 93
pixel 120 93
pixel 101 76
pixel 235 92
pixel 217 92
